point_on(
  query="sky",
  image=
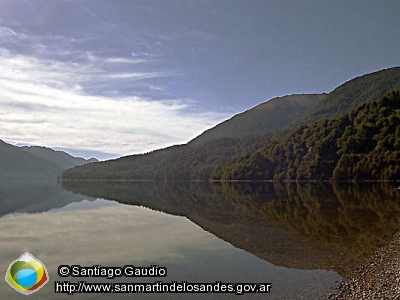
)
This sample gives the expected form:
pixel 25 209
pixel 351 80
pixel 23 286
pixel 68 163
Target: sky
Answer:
pixel 110 78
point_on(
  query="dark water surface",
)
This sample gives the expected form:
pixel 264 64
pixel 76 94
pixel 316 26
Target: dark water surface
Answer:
pixel 302 238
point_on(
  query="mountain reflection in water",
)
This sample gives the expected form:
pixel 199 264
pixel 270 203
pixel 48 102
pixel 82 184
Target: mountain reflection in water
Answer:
pixel 90 232
pixel 302 226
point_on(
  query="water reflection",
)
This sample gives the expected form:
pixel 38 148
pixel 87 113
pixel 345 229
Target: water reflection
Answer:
pixel 34 196
pixel 303 226
pixel 116 235
pixel 300 231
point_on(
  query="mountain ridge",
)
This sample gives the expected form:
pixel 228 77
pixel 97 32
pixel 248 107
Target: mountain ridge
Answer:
pixel 58 157
pixel 34 163
pixel 363 144
pixel 261 118
pixel 352 93
pixel 197 160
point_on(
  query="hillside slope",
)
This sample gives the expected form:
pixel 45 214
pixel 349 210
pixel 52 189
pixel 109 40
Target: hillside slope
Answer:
pixel 33 163
pixel 59 158
pixel 244 132
pixel 361 145
pixel 16 163
pixel 354 92
pixel 199 158
pixel 271 115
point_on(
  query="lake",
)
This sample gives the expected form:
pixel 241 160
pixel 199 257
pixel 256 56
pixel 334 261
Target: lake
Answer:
pixel 301 238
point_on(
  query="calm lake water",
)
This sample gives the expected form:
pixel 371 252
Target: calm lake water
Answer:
pixel 302 238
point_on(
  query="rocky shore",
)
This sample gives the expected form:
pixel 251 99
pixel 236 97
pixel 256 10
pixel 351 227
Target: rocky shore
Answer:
pixel 378 278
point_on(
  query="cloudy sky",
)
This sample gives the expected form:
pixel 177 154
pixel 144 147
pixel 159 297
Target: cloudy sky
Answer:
pixel 108 78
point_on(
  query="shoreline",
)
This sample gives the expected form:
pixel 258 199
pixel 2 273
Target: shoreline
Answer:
pixel 235 181
pixel 377 278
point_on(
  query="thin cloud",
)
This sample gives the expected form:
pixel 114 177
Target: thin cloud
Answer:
pixel 117 60
pixel 6 32
pixel 137 76
pixel 120 60
pixel 45 101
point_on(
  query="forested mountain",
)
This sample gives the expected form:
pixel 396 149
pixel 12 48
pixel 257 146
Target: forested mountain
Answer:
pixel 208 154
pixel 59 158
pixel 37 163
pixel 361 145
pixel 357 91
pixel 271 115
pixel 244 132
pixel 181 162
pixel 16 163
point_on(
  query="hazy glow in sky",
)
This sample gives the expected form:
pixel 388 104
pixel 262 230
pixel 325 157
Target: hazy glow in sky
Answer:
pixel 43 103
pixel 117 77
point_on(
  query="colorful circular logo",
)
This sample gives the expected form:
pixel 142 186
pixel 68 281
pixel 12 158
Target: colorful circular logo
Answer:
pixel 27 274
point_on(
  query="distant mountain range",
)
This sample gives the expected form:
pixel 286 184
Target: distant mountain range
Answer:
pixel 35 163
pixel 214 153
